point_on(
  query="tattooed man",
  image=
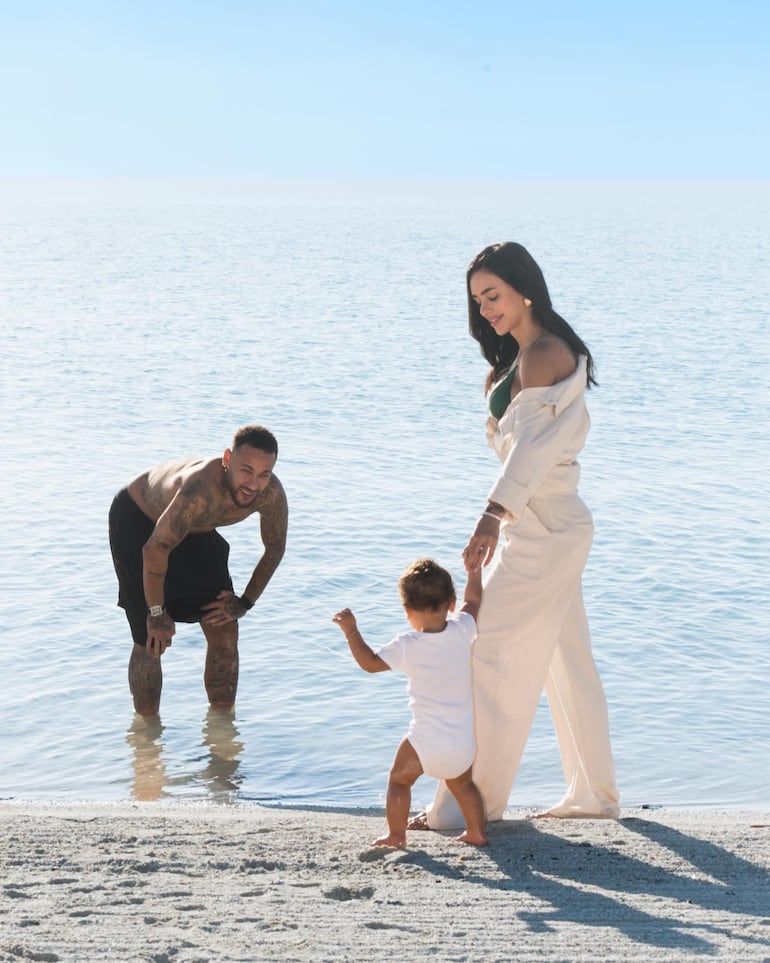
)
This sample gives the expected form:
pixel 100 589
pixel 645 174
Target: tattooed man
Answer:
pixel 171 562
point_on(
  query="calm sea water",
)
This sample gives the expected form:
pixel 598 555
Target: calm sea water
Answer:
pixel 144 321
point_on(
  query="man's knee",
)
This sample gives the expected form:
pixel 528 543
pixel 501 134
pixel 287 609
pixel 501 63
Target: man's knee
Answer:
pixel 142 657
pixel 223 637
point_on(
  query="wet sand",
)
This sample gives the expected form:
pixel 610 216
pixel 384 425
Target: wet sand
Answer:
pixel 171 882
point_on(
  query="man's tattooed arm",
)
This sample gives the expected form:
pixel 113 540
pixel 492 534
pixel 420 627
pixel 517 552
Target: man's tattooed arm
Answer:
pixel 274 521
pixel 193 506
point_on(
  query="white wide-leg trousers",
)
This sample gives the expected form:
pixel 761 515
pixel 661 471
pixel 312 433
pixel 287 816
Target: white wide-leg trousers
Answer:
pixel 533 633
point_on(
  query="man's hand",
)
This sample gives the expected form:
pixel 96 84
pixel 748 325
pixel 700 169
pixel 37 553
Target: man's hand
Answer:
pixel 227 607
pixel 160 629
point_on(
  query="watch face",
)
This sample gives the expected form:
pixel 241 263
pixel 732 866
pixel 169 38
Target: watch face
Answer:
pixel 156 610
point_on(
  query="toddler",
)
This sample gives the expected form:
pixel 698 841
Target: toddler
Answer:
pixel 436 656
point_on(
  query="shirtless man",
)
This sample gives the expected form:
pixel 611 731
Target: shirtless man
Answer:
pixel 171 562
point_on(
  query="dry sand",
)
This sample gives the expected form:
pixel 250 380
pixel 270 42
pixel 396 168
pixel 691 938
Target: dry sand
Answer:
pixel 172 883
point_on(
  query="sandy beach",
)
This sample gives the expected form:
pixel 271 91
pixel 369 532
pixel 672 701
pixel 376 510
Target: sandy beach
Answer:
pixel 175 882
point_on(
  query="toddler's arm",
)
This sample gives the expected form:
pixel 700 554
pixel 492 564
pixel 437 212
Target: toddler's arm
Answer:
pixel 473 593
pixel 363 655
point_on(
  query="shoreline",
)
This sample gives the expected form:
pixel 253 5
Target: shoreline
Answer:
pixel 177 881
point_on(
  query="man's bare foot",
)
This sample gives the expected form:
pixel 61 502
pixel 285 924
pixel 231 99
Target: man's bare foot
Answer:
pixel 475 838
pixel 418 822
pixel 394 840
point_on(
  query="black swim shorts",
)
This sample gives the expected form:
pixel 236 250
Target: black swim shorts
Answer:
pixel 197 568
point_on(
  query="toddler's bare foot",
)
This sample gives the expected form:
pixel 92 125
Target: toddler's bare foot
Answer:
pixel 473 838
pixel 395 840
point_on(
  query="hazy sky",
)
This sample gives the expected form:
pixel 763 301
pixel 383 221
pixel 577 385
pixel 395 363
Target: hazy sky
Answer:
pixel 439 88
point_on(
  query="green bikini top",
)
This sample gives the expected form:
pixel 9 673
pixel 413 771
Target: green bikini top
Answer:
pixel 500 395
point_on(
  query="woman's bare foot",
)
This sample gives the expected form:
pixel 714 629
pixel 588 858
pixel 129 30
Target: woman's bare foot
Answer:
pixel 473 838
pixel 576 814
pixel 394 840
pixel 418 822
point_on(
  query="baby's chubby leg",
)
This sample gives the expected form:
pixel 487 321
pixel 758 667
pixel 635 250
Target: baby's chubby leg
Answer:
pixel 468 797
pixel 404 772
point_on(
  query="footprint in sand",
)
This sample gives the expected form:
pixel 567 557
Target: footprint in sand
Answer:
pixel 342 893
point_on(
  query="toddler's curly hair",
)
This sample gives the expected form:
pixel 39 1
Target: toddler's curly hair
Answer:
pixel 425 586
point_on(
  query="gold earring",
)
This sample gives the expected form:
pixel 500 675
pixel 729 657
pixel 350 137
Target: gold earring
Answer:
pixel 527 302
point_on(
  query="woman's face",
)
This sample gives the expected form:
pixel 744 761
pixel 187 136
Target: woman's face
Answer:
pixel 499 303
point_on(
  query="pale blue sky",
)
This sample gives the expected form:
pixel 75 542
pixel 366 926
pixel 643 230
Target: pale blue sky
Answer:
pixel 547 88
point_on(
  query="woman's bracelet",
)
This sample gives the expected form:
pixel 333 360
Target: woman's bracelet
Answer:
pixel 246 603
pixel 493 515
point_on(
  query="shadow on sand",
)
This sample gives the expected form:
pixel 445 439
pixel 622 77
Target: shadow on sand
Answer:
pixel 585 883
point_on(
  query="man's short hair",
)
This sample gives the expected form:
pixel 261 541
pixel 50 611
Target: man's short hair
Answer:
pixel 257 437
pixel 426 587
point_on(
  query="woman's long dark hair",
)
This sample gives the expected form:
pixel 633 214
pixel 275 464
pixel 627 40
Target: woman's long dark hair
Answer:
pixel 514 264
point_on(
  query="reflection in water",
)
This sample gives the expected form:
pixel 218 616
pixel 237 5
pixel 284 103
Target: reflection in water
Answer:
pixel 220 735
pixel 144 737
pixel 220 774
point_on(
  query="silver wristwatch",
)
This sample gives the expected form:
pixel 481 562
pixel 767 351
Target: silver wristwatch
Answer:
pixel 156 610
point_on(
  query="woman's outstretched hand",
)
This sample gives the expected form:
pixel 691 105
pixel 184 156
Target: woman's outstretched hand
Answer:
pixel 481 547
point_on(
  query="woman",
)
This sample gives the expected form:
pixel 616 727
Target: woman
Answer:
pixel 532 628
